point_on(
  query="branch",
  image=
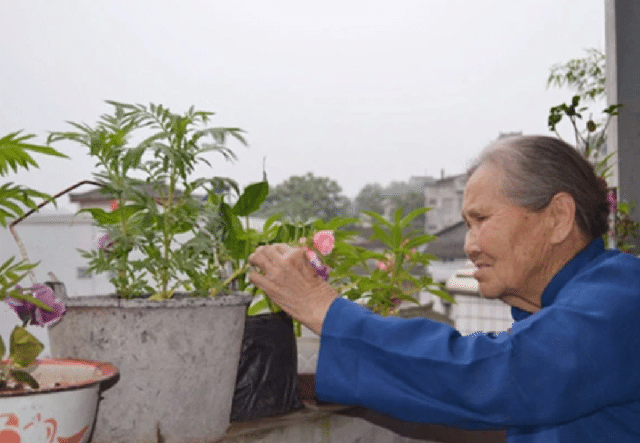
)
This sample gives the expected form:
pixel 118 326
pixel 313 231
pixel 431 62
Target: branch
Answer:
pixel 23 251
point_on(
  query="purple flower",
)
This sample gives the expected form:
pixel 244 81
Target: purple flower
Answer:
pixel 316 264
pixel 104 242
pixel 45 294
pixel 28 312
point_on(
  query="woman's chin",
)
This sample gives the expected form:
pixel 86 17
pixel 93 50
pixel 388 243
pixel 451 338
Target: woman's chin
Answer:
pixel 486 291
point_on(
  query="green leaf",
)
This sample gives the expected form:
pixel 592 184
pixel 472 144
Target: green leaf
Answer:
pixel 336 223
pixel 3 349
pixel 24 378
pixel 251 199
pixel 442 294
pixel 270 221
pixel 381 235
pixel 258 307
pixel 235 232
pixel 413 214
pixel 397 215
pixel 396 233
pixel 378 218
pixel 24 348
pixel 613 109
pixel 101 216
pixel 19 194
pixel 419 240
pixel 29 298
pixel 14 155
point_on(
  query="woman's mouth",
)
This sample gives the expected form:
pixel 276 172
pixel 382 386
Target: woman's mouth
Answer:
pixel 480 268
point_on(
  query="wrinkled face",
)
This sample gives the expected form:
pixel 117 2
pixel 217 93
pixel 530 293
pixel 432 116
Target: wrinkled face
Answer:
pixel 508 244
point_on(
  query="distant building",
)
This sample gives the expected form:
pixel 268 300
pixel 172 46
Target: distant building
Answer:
pixel 509 134
pixel 444 196
pixel 95 198
pixel 450 242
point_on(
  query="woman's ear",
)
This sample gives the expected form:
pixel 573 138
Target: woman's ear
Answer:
pixel 562 211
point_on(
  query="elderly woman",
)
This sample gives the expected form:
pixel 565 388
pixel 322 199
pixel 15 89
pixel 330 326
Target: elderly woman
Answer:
pixel 567 371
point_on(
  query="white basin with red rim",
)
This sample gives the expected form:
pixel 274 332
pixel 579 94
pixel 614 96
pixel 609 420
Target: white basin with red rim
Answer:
pixel 63 410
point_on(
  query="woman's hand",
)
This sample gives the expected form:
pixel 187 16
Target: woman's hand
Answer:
pixel 291 283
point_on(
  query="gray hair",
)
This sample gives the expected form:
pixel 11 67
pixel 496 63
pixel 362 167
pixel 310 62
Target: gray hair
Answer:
pixel 538 167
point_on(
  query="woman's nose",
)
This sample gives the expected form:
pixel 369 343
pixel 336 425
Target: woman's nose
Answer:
pixel 470 244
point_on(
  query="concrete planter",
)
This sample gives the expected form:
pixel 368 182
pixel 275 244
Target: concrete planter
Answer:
pixel 177 359
pixel 63 409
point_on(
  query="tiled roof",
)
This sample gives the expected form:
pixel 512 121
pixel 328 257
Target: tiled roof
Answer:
pixel 450 242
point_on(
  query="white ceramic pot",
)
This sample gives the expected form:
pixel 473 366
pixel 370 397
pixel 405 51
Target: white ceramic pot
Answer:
pixel 63 409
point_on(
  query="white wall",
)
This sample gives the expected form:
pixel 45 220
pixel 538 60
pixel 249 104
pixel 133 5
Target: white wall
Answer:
pixel 441 270
pixel 53 239
pixel 472 313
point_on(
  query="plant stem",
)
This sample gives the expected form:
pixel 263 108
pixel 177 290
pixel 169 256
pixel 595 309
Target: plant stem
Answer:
pixel 166 240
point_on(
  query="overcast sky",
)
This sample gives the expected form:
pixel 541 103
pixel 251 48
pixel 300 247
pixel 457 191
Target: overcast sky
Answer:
pixel 358 91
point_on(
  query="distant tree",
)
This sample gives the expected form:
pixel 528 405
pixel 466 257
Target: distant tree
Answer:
pixel 302 198
pixel 370 198
pixel 375 198
pixel 410 201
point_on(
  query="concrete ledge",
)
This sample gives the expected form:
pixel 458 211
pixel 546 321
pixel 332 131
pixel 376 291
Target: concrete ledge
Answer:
pixel 348 424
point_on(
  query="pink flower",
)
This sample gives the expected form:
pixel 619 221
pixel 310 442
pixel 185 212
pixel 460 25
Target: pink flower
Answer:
pixel 386 265
pixel 324 241
pixel 612 199
pixel 29 312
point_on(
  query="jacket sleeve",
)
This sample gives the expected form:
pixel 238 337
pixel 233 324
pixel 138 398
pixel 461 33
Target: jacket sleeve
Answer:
pixel 566 361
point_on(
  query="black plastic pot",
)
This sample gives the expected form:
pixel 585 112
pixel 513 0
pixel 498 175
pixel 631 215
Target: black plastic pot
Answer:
pixel 267 378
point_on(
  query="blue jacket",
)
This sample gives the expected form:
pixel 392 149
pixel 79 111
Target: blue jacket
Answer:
pixel 568 373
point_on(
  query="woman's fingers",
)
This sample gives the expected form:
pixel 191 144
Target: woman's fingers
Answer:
pixel 290 281
pixel 263 258
pixel 271 257
pixel 300 260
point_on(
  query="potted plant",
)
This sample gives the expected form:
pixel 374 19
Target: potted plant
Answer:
pixel 380 279
pixel 173 342
pixel 48 400
pixel 399 268
pixel 40 400
pixel 267 381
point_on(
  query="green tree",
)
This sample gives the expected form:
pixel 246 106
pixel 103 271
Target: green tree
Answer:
pixel 306 197
pixel 370 198
pixel 586 77
pixel 583 75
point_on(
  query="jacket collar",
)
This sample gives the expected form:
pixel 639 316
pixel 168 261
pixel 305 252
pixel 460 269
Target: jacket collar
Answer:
pixel 593 249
